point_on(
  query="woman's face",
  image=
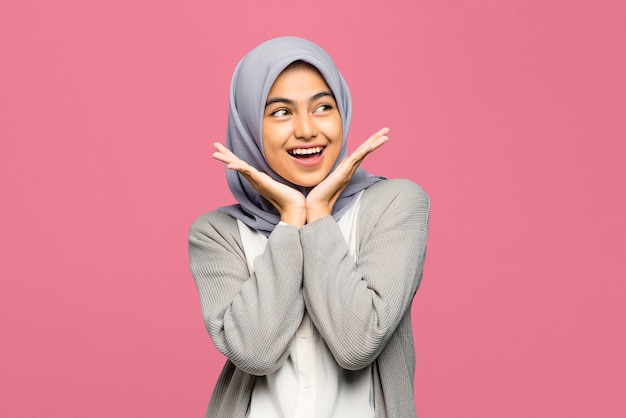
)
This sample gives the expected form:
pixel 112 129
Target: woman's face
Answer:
pixel 302 130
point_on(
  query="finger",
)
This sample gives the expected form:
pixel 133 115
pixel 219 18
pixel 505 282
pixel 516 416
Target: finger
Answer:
pixel 384 132
pixel 221 157
pixel 225 155
pixel 223 150
pixel 370 145
pixel 377 139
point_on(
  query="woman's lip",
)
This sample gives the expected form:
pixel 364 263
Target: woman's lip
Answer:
pixel 306 147
pixel 312 161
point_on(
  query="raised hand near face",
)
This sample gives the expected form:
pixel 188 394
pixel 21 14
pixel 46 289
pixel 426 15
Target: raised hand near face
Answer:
pixel 322 198
pixel 289 201
pixel 294 209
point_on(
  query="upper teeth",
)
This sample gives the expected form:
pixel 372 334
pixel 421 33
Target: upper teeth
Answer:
pixel 306 151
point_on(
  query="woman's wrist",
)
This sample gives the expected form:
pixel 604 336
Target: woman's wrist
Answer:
pixel 295 217
pixel 316 212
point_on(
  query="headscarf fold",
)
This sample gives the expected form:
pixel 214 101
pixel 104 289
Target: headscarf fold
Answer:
pixel 252 80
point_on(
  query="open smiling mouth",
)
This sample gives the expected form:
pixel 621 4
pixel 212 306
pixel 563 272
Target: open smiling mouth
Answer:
pixel 306 152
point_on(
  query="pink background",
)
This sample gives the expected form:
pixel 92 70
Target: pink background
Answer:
pixel 511 114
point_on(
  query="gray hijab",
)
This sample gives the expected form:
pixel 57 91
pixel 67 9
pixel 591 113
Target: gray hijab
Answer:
pixel 252 80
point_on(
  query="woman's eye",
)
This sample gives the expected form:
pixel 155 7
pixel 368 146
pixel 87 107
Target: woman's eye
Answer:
pixel 323 108
pixel 280 112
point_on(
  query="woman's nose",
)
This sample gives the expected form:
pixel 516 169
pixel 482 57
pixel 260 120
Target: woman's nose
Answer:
pixel 305 127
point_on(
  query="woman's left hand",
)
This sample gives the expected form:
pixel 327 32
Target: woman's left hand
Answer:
pixel 322 198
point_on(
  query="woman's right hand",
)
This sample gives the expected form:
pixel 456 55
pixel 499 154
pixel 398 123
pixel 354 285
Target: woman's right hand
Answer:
pixel 289 201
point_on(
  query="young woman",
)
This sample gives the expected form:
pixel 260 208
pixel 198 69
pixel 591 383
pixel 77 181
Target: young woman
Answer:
pixel 306 284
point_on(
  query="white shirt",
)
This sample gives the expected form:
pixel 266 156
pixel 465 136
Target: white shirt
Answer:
pixel 310 384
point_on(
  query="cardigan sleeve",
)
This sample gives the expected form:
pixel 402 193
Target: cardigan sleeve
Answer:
pixel 250 318
pixel 357 305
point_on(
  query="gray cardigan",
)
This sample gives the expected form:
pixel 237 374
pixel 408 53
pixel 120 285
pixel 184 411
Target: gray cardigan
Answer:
pixel 361 309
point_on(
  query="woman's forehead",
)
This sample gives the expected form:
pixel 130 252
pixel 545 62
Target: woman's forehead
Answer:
pixel 300 73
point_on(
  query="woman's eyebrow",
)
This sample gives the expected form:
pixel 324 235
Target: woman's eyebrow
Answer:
pixel 290 102
pixel 320 95
pixel 278 100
